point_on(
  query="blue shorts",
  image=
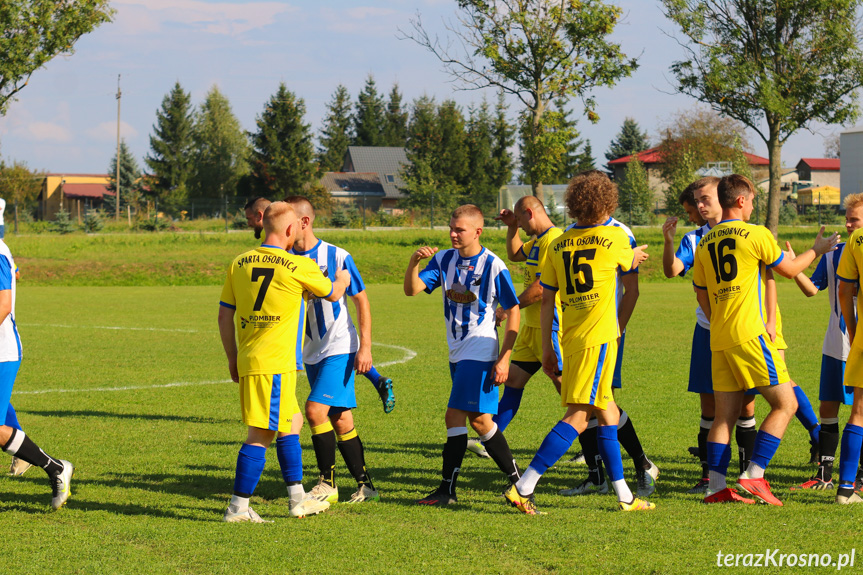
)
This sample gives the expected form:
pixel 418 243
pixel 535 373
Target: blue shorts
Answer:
pixel 615 380
pixel 8 371
pixel 832 376
pixel 473 387
pixel 12 418
pixel 332 381
pixel 700 376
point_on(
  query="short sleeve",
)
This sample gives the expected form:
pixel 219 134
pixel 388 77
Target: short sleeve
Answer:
pixel 357 284
pixel 228 299
pixel 549 275
pixel 625 256
pixel 430 275
pixel 819 278
pixel 698 279
pixel 632 245
pixel 312 279
pixel 770 252
pixel 505 290
pixel 847 270
pixel 685 253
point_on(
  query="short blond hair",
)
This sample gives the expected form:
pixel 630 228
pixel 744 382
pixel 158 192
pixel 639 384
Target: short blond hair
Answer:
pixel 852 201
pixel 278 216
pixel 469 211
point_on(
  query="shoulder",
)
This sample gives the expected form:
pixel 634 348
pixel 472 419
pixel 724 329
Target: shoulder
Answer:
pixel 621 226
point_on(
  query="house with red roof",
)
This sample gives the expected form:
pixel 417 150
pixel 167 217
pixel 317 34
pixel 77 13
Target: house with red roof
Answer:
pixel 75 193
pixel 820 171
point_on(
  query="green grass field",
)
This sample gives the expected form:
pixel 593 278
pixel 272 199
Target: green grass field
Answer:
pixel 130 384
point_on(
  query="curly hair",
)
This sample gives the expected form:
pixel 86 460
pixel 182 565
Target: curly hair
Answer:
pixel 591 197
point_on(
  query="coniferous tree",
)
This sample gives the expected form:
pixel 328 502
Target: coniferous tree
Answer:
pixel 423 138
pixel 630 140
pixel 450 160
pixel 585 159
pixel 282 152
pixel 130 181
pixel 635 198
pixel 337 132
pixel 369 116
pixel 171 146
pixel 503 137
pixel 479 188
pixel 395 121
pixel 569 161
pixel 221 149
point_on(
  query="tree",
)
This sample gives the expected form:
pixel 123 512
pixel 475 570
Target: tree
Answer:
pixel 337 132
pixel 536 50
pixel 630 140
pixel 544 147
pixel 503 139
pixel 585 159
pixel 395 130
pixel 171 149
pixel 635 198
pixel 369 116
pixel 423 186
pixel 569 162
pixel 450 159
pixel 130 181
pixel 20 185
pixel 775 66
pixel 479 187
pixel 221 149
pixel 831 146
pixel 678 174
pixel 282 153
pixel 34 31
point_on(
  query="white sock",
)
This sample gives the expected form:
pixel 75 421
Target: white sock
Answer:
pixel 717 481
pixel 527 483
pixel 238 504
pixel 490 434
pixel 296 493
pixel 622 490
pixel 754 471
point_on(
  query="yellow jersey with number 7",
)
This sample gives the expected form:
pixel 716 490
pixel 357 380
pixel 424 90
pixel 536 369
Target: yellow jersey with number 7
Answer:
pixel 265 287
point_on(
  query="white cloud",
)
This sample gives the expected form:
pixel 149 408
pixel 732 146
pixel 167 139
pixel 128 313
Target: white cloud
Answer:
pixel 46 132
pixel 367 20
pixel 221 18
pixel 107 131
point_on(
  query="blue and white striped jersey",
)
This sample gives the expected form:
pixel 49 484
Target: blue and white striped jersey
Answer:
pixel 329 327
pixel 472 289
pixel 686 254
pixel 10 343
pixel 836 338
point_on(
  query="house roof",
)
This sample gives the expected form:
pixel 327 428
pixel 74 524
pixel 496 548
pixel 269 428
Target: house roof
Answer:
pixel 84 191
pixel 352 183
pixel 58 175
pixel 383 161
pixel 652 156
pixel 826 164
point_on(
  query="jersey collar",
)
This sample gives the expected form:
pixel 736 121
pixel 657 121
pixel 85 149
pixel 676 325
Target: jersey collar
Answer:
pixel 734 220
pixel 299 253
pixel 269 246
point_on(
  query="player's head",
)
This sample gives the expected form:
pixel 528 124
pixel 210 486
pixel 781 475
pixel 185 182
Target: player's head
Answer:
pixel 305 212
pixel 280 219
pixel 465 227
pixel 736 192
pixel 530 215
pixel 591 198
pixel 853 212
pixel 700 195
pixel 255 214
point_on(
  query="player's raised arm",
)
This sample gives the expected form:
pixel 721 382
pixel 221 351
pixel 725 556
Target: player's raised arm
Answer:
pixel 413 284
pixel 343 280
pixel 808 288
pixel 791 267
pixel 513 241
pixel 671 264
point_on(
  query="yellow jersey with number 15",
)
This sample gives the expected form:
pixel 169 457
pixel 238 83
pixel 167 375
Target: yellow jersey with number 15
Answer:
pixel 535 250
pixel 265 288
pixel 728 266
pixel 582 266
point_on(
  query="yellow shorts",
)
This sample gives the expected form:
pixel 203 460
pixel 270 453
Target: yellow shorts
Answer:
pixel 854 365
pixel 269 401
pixel 755 363
pixel 587 376
pixel 528 345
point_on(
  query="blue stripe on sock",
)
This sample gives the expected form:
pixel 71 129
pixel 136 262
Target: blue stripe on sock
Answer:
pixel 849 458
pixel 250 465
pixel 290 455
pixel 765 448
pixel 609 449
pixel 554 446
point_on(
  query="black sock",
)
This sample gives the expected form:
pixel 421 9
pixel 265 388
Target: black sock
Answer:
pixel 355 458
pixel 590 448
pixel 828 441
pixel 325 452
pixel 745 437
pixel 22 447
pixel 453 454
pixel 498 449
pixel 629 440
pixel 702 444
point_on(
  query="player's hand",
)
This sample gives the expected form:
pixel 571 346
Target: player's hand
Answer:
pixel 344 276
pixel 422 253
pixel 639 256
pixel 508 218
pixel 232 368
pixel 771 330
pixel 363 360
pixel 499 316
pixel 669 228
pixel 789 252
pixel 824 245
pixel 549 364
pixel 500 372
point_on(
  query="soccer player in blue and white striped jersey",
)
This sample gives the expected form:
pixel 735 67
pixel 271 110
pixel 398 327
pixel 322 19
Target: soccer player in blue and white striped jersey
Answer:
pixel 473 282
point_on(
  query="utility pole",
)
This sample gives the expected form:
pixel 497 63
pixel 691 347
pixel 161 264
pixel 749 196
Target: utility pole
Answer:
pixel 117 199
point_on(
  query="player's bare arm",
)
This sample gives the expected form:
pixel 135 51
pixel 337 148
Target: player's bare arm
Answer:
pixel 808 288
pixel 789 268
pixel 703 300
pixel 226 333
pixel 847 291
pixel 413 284
pixel 501 366
pixel 771 300
pixel 363 359
pixel 343 280
pixel 532 294
pixel 628 301
pixel 671 264
pixel 546 319
pixel 513 241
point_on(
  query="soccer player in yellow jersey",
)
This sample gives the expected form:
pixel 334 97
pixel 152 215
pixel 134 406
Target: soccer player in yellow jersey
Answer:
pixel 529 215
pixel 259 319
pixel 581 269
pixel 726 275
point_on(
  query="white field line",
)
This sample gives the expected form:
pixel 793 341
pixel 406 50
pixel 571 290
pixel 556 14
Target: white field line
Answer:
pixel 60 325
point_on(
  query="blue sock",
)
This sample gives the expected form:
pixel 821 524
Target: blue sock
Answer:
pixel 290 456
pixel 508 407
pixel 765 448
pixel 609 449
pixel 806 414
pixel 554 446
pixel 718 457
pixel 12 418
pixel 849 457
pixel 250 466
pixel 373 376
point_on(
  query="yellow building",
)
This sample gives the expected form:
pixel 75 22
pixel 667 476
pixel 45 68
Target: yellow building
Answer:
pixel 822 195
pixel 75 193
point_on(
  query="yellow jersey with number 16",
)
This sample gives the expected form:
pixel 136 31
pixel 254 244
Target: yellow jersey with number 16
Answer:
pixel 265 288
pixel 728 266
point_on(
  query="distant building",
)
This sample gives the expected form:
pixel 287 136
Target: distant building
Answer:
pixel 386 162
pixel 819 171
pixel 851 150
pixel 354 188
pixel 75 193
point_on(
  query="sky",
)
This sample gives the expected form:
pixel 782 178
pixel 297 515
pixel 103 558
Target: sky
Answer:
pixel 65 119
